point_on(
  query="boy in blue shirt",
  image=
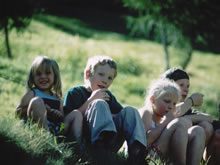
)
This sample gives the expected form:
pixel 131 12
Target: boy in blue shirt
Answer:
pixel 108 123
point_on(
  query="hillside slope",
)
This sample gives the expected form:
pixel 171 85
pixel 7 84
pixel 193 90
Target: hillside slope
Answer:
pixel 139 62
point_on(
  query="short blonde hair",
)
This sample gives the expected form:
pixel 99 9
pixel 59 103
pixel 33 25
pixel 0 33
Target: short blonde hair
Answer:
pixel 47 64
pixel 95 61
pixel 158 88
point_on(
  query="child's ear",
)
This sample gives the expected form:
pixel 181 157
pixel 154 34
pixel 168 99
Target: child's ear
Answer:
pixel 152 99
pixel 87 74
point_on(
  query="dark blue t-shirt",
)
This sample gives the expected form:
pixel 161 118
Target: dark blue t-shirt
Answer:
pixel 77 96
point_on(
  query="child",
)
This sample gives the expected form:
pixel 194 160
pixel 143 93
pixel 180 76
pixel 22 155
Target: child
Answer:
pixel 168 137
pixel 213 149
pixel 108 123
pixel 196 99
pixel 42 101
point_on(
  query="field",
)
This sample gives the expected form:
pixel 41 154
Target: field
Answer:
pixel 70 42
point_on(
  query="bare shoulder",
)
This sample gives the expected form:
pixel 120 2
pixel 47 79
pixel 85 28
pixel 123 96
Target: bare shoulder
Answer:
pixel 28 95
pixel 146 117
pixel 144 113
pixel 21 109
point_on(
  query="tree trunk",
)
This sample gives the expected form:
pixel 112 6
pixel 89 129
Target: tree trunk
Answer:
pixel 7 41
pixel 163 38
pixel 188 59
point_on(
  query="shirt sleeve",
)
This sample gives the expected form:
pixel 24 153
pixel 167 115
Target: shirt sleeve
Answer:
pixel 72 100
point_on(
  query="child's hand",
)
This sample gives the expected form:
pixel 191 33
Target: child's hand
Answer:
pixel 48 108
pixel 100 94
pixel 197 99
pixel 169 116
pixel 53 114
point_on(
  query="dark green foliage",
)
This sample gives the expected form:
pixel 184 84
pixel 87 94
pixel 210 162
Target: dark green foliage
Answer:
pixel 196 20
pixel 187 25
pixel 16 13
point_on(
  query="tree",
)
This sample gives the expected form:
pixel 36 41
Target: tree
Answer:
pixel 185 24
pixel 15 14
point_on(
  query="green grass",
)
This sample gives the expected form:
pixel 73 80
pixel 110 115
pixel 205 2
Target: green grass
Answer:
pixel 70 42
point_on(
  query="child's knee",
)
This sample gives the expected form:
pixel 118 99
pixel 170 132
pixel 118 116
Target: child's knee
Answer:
pixel 36 101
pixel 180 123
pixel 197 132
pixel 100 103
pixel 34 104
pixel 130 110
pixel 207 127
pixel 77 115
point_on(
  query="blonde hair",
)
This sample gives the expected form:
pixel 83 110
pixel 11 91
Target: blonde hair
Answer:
pixel 95 61
pixel 45 63
pixel 158 88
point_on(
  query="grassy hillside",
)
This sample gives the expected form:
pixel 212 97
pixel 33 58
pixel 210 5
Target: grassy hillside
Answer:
pixel 70 42
pixel 139 61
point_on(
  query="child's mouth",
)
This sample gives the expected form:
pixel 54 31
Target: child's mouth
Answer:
pixel 183 96
pixel 43 82
pixel 101 86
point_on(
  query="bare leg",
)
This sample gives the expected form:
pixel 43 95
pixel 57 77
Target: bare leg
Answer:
pixel 196 145
pixel 208 128
pixel 213 149
pixel 175 136
pixel 37 111
pixel 74 122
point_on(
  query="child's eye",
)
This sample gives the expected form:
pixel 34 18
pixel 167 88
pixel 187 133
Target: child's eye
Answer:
pixel 167 101
pixel 110 78
pixel 48 72
pixel 38 73
pixel 181 85
pixel 101 74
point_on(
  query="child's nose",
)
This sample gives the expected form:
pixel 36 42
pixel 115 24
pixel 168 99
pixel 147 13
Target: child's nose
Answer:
pixel 186 89
pixel 170 106
pixel 43 75
pixel 104 80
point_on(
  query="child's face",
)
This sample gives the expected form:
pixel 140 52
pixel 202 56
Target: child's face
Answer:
pixel 165 103
pixel 44 79
pixel 184 86
pixel 102 77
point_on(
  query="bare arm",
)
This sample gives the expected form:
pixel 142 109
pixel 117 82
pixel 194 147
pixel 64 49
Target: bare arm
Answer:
pixel 196 118
pixel 97 94
pixel 57 115
pixel 196 99
pixel 154 133
pixel 21 109
pixel 183 107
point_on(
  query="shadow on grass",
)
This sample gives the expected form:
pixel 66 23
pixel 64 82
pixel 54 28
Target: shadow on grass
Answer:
pixel 76 26
pixel 12 154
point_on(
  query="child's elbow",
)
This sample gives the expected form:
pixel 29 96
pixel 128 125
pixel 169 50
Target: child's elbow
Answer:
pixel 210 119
